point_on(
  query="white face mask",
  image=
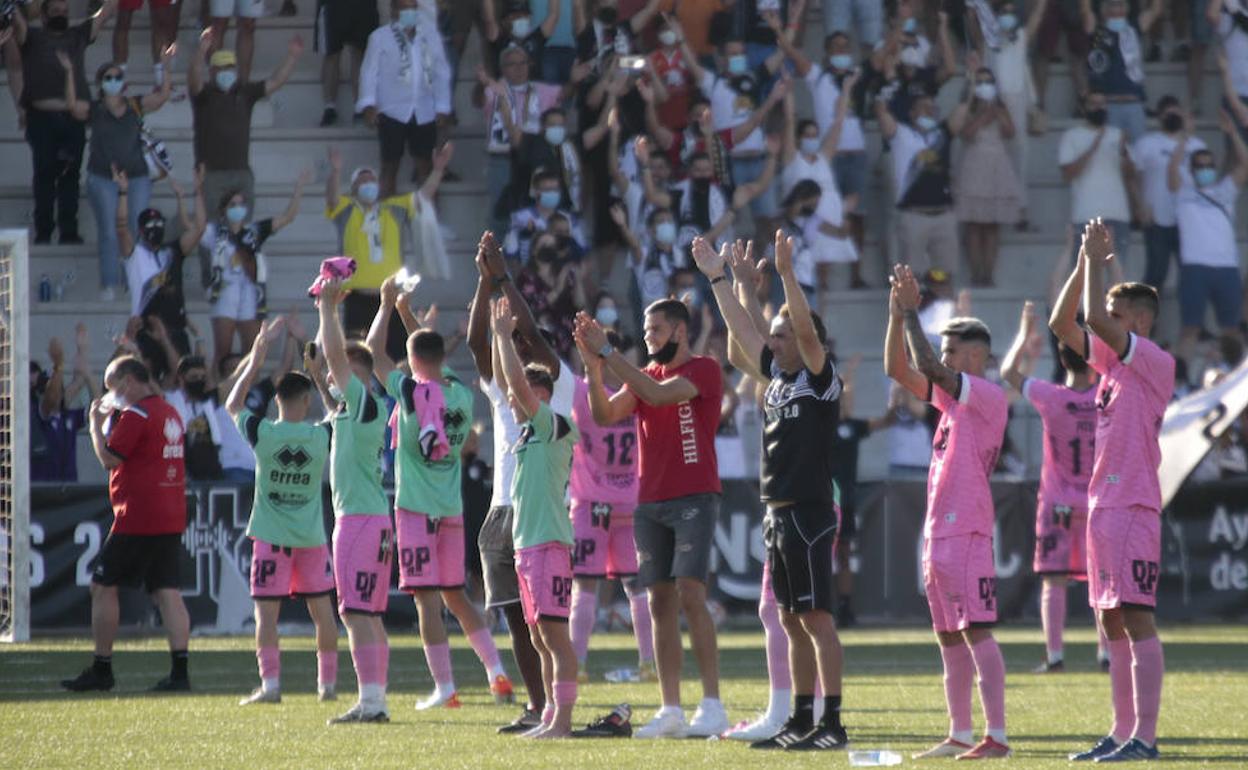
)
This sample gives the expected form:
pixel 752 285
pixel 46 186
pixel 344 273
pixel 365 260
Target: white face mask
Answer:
pixel 810 145
pixel 667 37
pixel 913 57
pixel 986 91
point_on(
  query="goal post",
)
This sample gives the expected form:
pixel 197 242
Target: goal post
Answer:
pixel 14 436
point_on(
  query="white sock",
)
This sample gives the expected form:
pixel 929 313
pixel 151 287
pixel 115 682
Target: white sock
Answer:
pixel 498 670
pixel 711 704
pixel 158 71
pixel 271 685
pixel 373 695
pixel 998 736
pixel 778 707
pixel 963 736
pixel 1055 656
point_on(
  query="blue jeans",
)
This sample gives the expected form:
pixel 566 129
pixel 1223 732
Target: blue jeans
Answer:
pixel 102 193
pixel 865 17
pixel 1160 245
pixel 556 64
pixel 1129 116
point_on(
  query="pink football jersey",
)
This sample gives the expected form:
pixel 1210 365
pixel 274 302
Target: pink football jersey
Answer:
pixel 604 462
pixel 1130 402
pixel 964 452
pixel 1069 420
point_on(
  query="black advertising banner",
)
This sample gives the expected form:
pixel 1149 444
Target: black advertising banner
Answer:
pixel 1204 555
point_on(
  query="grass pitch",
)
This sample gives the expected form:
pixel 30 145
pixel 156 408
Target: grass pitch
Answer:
pixel 893 699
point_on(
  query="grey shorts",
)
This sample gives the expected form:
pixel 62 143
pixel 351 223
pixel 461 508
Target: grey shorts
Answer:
pixel 674 538
pixel 498 558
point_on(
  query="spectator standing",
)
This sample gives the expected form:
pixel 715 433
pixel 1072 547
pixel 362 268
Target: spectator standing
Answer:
pixel 927 227
pixel 1096 163
pixel 1152 153
pixel 551 149
pixel 1060 17
pixel 55 422
pixel 377 233
pixel 559 53
pixel 519 28
pixel 1209 265
pixel 239 272
pixel 221 106
pixel 164 33
pixel 116 123
pixel 138 439
pixel 56 139
pixel 193 399
pixel 905 62
pixel 987 190
pixel 1230 18
pixel 342 24
pixel 1116 61
pixel 554 291
pixel 673 79
pixel 246 11
pixel 864 17
pixel 697 21
pixel 405 89
pixel 527 223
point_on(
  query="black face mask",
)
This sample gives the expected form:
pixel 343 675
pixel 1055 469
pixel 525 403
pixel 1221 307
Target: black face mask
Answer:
pixel 546 255
pixel 154 236
pixel 664 355
pixel 608 15
pixel 1172 122
pixel 57 23
pixel 196 389
pixel 1097 117
pixel 807 211
pixel 700 186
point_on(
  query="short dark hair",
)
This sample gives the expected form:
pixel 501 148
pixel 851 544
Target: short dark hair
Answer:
pixel 697 156
pixel 359 353
pixel 553 111
pixel 293 385
pixel 544 175
pixel 187 363
pixel 1138 295
pixel 227 195
pixel 1071 360
pixel 967 330
pixel 224 369
pixel 1166 102
pixel 821 331
pixel 1204 152
pixel 803 123
pixel 538 375
pixel 131 366
pixel 655 213
pixel 831 38
pixel 673 310
pixel 807 188
pixel 426 345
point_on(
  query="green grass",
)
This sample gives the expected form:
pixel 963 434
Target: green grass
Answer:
pixel 893 699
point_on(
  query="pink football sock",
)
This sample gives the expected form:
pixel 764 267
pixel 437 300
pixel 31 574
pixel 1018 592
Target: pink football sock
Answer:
pixel 565 693
pixel 438 656
pixel 639 608
pixel 270 660
pixel 584 613
pixel 991 668
pixel 1122 687
pixel 1147 668
pixel 365 659
pixel 483 645
pixel 1053 617
pixel 959 680
pixel 777 642
pixel 327 667
pixel 382 651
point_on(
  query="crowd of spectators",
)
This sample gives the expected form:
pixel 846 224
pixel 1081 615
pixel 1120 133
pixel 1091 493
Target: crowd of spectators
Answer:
pixel 615 131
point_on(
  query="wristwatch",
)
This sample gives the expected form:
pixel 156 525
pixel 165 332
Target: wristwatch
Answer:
pixel 606 350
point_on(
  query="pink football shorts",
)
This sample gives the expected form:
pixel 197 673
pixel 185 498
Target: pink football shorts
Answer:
pixel 362 547
pixel 545 575
pixel 960 580
pixel 1124 557
pixel 431 551
pixel 1061 541
pixel 604 540
pixel 279 571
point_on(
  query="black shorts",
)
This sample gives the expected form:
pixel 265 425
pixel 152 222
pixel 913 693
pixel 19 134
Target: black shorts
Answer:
pixel 417 138
pixel 342 23
pixel 848 528
pixel 674 538
pixel 800 539
pixel 133 560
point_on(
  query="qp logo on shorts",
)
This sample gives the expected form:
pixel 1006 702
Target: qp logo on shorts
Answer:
pixel 1145 574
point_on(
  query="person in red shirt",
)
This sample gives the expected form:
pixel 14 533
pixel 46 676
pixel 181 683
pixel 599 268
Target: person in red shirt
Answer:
pixel 677 401
pixel 137 437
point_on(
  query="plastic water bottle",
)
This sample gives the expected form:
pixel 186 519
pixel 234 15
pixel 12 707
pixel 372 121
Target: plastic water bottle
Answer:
pixel 874 758
pixel 623 675
pixel 45 288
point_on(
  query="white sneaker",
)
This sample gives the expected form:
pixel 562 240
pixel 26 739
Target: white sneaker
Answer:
pixel 710 719
pixel 762 726
pixel 667 723
pixel 326 692
pixel 261 695
pixel 448 699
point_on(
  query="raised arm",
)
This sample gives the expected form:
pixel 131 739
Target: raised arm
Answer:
pixel 1230 94
pixel 948 59
pixel 376 340
pixel 542 352
pixel 663 136
pixel 1151 14
pixel 1239 170
pixel 1072 170
pixel 333 343
pixel 1088 16
pixel 54 393
pixel 78 108
pixel 1034 19
pixel 1174 169
pixel 590 341
pixel 1017 364
pixel 759 116
pixel 926 361
pixel 641 19
pixel 237 400
pixel 884 116
pixel 125 238
pixel 696 70
pixel 814 357
pixel 788 130
pixel 192 229
pixel 896 365
pixel 521 393
pixel 292 208
pixel 294 49
pixel 1064 319
pixel 154 100
pixel 1098 252
pixel 740 328
pixel 195 72
pixel 553 9
pixel 331 179
pixel 479 315
pixel 101 17
pixel 437 172
pixel 832 138
pixel 620 217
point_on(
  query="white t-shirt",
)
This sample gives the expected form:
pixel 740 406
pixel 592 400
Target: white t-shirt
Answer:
pixel 507 431
pixel 1235 43
pixel 1206 233
pixel 1151 154
pixel 1099 190
pixel 819 170
pixel 234 451
pixel 141 265
pixel 905 144
pixel 730 109
pixel 825 94
pixel 1011 65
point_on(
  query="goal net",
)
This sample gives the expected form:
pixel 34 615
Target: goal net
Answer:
pixel 14 437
